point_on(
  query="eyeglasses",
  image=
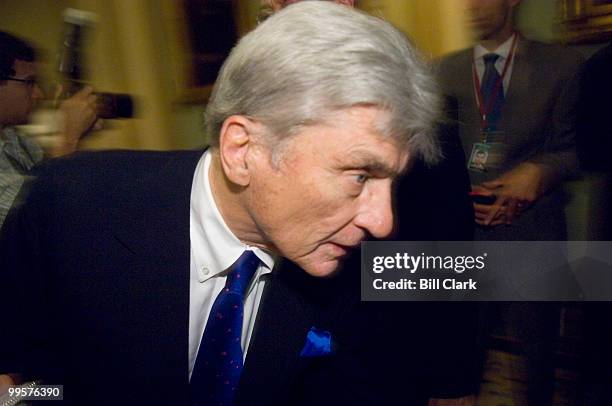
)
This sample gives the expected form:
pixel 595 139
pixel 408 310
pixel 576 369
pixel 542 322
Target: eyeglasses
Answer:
pixel 29 82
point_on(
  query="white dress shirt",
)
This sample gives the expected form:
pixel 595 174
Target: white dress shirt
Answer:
pixel 504 52
pixel 214 248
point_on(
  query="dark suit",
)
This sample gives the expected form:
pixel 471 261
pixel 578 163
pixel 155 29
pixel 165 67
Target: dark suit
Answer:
pixel 95 270
pixel 538 118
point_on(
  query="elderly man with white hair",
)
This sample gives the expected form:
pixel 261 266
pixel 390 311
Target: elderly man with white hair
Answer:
pixel 199 277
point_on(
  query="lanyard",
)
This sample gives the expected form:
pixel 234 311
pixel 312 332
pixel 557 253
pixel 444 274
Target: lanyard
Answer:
pixel 485 110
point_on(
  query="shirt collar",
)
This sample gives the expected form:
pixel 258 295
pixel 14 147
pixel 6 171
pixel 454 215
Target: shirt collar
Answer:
pixel 24 151
pixel 214 246
pixel 503 50
pixel 8 135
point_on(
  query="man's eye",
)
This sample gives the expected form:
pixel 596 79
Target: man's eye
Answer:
pixel 361 178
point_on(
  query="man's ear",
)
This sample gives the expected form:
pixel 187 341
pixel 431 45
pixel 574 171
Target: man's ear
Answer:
pixel 235 139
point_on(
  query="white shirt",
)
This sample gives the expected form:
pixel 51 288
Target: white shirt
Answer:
pixel 504 52
pixel 214 248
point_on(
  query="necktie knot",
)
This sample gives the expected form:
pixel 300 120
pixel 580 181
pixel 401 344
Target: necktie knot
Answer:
pixel 490 59
pixel 242 273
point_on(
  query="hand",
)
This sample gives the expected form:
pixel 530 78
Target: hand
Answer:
pixel 7 380
pixel 516 190
pixel 482 211
pixel 78 117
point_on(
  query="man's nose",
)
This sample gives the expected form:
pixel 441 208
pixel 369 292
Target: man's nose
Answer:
pixel 376 215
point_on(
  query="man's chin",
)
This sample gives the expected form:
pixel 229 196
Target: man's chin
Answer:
pixel 326 260
pixel 323 268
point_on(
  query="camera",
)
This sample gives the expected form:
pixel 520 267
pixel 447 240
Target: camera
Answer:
pixel 71 67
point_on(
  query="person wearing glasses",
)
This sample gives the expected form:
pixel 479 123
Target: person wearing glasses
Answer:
pixel 19 95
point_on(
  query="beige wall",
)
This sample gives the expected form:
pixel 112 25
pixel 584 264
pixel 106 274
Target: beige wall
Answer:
pixel 438 26
pixel 537 19
pixel 435 26
pixel 128 53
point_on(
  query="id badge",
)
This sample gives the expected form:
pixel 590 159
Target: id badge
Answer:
pixel 479 157
pixel 490 154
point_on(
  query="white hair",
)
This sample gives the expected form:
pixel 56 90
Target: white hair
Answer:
pixel 314 58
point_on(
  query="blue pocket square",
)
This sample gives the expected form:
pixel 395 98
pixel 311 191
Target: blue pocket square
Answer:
pixel 318 343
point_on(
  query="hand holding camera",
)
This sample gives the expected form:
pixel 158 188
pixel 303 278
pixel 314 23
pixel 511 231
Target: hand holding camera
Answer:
pixel 77 116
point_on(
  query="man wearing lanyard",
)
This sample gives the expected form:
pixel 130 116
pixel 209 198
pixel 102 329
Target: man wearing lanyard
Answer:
pixel 516 102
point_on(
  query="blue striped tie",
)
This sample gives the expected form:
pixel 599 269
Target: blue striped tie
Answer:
pixel 217 369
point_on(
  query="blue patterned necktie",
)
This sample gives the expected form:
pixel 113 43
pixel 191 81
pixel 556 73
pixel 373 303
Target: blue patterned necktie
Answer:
pixel 217 369
pixel 492 91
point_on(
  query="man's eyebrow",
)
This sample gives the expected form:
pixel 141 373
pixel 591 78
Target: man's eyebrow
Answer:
pixel 371 163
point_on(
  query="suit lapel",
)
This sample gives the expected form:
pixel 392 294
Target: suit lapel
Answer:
pixel 153 227
pixel 154 221
pixel 289 308
pixel 466 88
pixel 519 86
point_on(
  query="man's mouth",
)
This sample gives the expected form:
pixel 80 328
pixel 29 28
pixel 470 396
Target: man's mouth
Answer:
pixel 341 250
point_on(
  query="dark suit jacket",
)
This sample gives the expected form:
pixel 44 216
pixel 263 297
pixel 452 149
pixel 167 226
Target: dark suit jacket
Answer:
pixel 538 118
pixel 95 271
